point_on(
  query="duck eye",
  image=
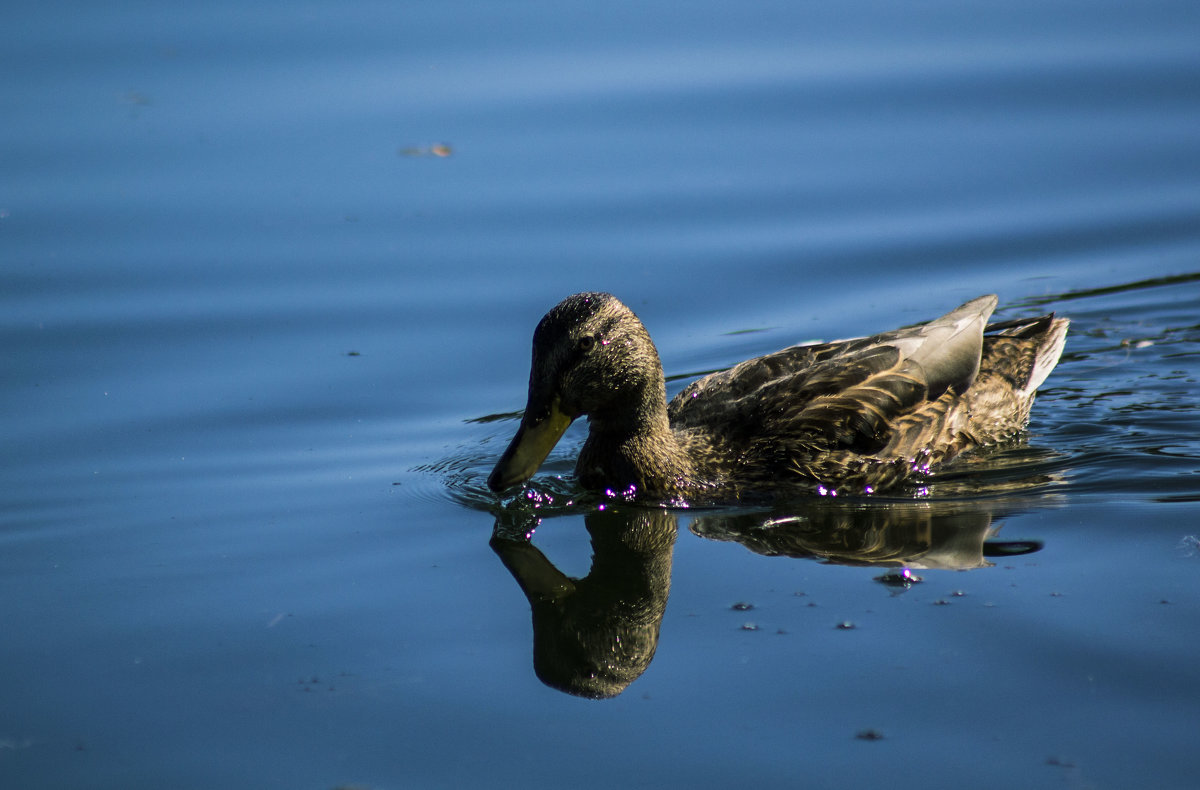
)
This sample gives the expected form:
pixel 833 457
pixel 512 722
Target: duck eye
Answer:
pixel 587 342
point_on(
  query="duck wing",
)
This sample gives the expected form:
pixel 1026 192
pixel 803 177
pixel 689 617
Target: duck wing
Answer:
pixel 844 394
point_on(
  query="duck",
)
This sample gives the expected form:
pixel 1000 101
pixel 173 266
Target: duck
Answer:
pixel 858 416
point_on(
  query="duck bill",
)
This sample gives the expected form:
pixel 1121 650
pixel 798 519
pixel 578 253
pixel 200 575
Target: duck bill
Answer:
pixel 533 442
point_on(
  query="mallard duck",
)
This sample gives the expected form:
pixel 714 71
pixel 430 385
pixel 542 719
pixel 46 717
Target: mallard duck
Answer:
pixel 852 416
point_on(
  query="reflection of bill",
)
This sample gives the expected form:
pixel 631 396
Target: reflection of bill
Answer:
pixel 594 636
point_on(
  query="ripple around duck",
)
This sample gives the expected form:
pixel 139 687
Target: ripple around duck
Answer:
pixel 462 475
pixel 1123 407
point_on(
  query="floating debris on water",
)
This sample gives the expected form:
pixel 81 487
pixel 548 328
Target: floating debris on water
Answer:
pixel 137 98
pixel 441 150
pixel 1059 762
pixel 903 578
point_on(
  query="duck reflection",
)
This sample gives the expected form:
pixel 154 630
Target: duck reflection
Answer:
pixel 945 535
pixel 594 636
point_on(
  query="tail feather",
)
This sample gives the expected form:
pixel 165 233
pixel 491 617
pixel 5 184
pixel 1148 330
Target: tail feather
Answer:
pixel 1048 354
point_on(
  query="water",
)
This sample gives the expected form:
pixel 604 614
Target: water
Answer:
pixel 264 272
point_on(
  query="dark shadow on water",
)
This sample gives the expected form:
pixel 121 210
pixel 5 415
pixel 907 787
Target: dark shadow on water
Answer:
pixel 593 636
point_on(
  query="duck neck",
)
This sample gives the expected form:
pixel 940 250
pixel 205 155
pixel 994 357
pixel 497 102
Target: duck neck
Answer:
pixel 635 448
pixel 641 412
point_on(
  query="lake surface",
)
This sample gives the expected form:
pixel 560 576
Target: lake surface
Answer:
pixel 268 276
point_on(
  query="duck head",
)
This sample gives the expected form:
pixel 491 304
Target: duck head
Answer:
pixel 591 356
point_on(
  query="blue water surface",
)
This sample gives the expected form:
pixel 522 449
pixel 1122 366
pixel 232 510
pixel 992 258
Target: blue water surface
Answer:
pixel 268 276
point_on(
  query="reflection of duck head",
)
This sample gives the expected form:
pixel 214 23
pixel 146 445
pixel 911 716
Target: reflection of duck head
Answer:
pixel 950 535
pixel 594 636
